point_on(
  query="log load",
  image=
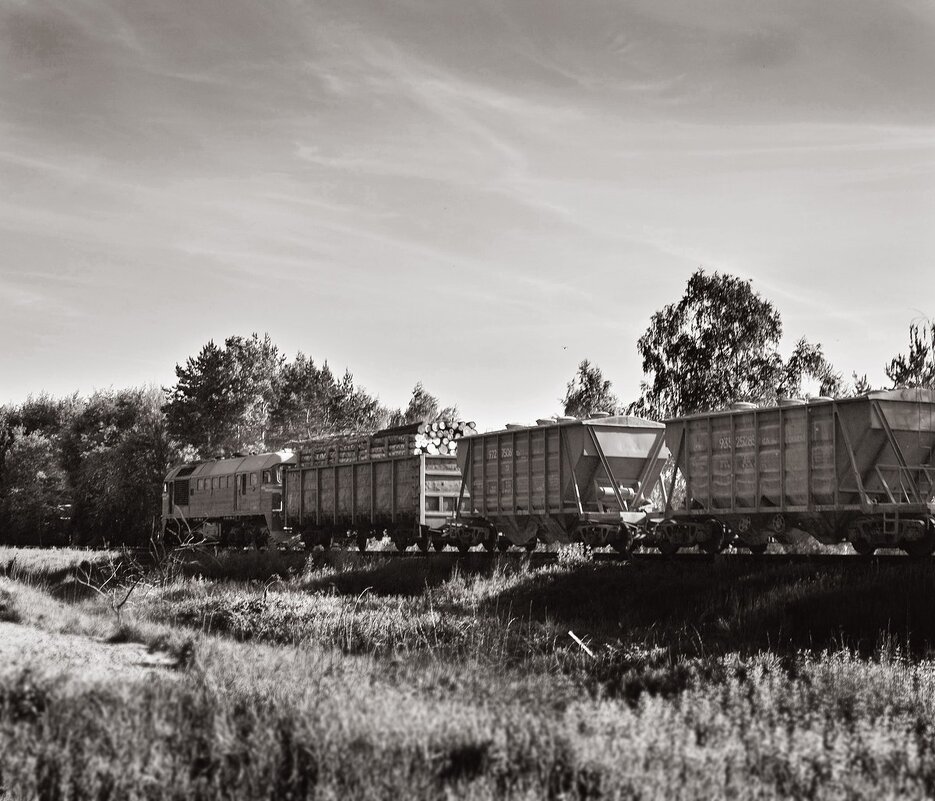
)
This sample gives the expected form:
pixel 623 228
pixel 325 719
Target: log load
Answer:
pixel 437 438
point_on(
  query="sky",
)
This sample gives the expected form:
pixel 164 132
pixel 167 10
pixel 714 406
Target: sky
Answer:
pixel 475 195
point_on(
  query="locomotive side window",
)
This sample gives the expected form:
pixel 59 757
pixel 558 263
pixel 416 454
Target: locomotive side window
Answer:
pixel 266 478
pixel 432 503
pixel 253 479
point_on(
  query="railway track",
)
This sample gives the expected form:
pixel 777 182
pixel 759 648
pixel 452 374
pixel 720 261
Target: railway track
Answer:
pixel 480 557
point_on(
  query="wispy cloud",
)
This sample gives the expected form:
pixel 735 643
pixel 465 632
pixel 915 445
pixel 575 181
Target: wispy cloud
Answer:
pixel 198 168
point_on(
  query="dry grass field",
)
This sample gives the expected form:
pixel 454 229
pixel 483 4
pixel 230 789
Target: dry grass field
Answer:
pixel 246 675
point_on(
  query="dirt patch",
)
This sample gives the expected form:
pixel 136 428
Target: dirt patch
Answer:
pixel 80 657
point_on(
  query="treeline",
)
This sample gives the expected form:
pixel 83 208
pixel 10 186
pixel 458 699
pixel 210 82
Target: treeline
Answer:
pixel 83 464
pixel 246 396
pixel 720 344
pixel 91 468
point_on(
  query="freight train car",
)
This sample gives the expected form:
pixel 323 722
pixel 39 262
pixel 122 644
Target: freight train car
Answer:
pixel 561 481
pixel 857 469
pixel 364 486
pixel 236 501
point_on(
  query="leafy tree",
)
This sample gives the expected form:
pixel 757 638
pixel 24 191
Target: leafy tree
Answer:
pixel 588 392
pixel 34 487
pixel 423 406
pixel 717 345
pixel 808 361
pixel 122 451
pixel 223 397
pixel 312 403
pixel 257 366
pixel 302 408
pixel 352 409
pixel 917 367
pixel 861 385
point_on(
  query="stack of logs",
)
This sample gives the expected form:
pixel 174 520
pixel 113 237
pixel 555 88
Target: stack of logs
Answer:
pixel 438 438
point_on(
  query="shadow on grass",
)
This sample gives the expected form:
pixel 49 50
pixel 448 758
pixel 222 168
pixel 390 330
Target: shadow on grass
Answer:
pixel 409 577
pixel 719 607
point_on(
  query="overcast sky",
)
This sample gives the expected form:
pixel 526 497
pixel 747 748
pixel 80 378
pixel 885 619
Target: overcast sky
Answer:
pixel 475 194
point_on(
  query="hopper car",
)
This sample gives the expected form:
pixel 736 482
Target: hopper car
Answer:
pixel 860 470
pixel 561 481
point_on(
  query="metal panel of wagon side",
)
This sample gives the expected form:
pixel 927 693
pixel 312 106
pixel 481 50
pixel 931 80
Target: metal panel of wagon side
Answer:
pixel 858 469
pixel 563 480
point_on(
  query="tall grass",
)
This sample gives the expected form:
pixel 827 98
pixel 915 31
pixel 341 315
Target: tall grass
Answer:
pixel 424 679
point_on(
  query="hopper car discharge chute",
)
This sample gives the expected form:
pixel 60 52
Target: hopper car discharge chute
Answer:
pixel 560 481
pixel 860 470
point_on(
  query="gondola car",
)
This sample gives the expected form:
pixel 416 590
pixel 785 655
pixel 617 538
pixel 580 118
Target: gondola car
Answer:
pixel 362 487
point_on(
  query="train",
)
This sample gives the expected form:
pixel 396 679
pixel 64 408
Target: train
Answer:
pixel 858 470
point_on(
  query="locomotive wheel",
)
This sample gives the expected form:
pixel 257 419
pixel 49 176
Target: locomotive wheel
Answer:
pixel 503 544
pixel 423 543
pixel 439 545
pixel 362 542
pixel 758 549
pixel 463 547
pixel 531 545
pixel 261 538
pixel 401 545
pixel 326 542
pixel 490 544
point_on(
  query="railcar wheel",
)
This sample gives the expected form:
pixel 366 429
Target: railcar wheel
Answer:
pixel 531 545
pixel 439 545
pixel 863 547
pixel 362 542
pixel 503 544
pixel 668 548
pixel 463 547
pixel 758 549
pixel 920 548
pixel 423 544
